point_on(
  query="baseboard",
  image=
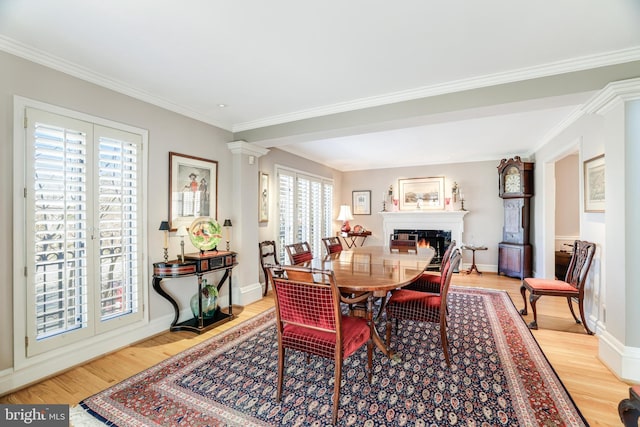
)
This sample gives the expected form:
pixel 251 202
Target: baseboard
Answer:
pixel 623 361
pixel 77 354
pixel 245 295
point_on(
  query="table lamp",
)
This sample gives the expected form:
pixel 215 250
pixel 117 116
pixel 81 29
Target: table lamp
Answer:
pixel 182 231
pixel 164 226
pixel 345 216
pixel 227 226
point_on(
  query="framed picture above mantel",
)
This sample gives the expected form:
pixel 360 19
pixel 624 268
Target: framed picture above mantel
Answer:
pixel 421 193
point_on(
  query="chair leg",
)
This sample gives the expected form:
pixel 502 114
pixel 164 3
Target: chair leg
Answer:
pixel 388 334
pixel 370 358
pixel 445 341
pixel 336 388
pixel 523 291
pixel 571 309
pixel 281 354
pixel 533 299
pixel 584 320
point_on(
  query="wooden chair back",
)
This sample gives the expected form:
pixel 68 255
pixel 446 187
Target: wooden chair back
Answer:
pixel 268 256
pixel 299 252
pixel 332 244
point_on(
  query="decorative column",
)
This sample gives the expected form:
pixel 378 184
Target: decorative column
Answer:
pixel 244 199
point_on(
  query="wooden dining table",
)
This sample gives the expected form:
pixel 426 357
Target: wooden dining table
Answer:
pixel 374 270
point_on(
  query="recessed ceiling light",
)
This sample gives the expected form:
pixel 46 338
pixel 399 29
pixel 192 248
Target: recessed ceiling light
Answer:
pixel 222 105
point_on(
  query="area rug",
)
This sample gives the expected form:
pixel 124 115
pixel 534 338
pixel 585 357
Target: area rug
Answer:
pixel 498 377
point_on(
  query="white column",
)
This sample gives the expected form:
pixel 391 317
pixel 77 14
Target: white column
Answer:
pixel 244 240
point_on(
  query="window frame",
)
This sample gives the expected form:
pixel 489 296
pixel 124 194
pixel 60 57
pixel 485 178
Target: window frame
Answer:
pixel 101 335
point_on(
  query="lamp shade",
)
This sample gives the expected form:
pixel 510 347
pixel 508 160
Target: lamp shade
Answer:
pixel 227 223
pixel 182 231
pixel 164 226
pixel 345 213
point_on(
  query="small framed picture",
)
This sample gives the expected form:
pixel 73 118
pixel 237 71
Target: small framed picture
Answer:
pixel 594 197
pixel 421 193
pixel 361 202
pixel 263 203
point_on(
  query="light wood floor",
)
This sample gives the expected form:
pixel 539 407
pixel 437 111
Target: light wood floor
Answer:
pixel 573 354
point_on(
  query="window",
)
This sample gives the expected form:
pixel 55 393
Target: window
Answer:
pixel 305 204
pixel 83 230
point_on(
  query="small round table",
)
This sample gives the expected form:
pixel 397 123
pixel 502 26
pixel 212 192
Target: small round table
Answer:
pixel 473 250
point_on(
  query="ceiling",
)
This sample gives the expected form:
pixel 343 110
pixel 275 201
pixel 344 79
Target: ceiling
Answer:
pixel 355 85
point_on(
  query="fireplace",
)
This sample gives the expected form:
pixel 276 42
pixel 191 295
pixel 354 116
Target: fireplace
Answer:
pixel 439 240
pixel 451 222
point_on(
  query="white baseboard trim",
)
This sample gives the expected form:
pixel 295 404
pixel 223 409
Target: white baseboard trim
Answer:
pixel 245 295
pixel 76 354
pixel 623 361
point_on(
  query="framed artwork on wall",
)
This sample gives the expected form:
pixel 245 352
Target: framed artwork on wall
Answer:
pixel 594 197
pixel 193 189
pixel 421 193
pixel 263 191
pixel 361 202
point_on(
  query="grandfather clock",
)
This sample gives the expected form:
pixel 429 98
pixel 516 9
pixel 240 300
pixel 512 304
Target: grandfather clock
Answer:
pixel 515 186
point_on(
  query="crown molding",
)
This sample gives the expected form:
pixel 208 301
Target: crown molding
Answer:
pixel 244 147
pixel 545 70
pixel 39 57
pixel 613 94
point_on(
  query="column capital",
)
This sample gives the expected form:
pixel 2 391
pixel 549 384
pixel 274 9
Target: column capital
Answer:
pixel 244 147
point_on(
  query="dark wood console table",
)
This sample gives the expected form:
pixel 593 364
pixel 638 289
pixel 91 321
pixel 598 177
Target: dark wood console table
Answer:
pixel 351 238
pixel 196 265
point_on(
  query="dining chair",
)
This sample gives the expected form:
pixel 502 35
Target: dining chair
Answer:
pixel 332 244
pixel 268 257
pixel 629 409
pixel 299 252
pixel 571 288
pixel 309 319
pixel 407 304
pixel 429 281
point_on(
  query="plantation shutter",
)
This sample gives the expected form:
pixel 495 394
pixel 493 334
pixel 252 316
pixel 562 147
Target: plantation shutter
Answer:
pixel 305 209
pixel 84 256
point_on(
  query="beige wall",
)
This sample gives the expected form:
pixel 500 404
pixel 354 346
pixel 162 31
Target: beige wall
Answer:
pixel 567 174
pixel 167 132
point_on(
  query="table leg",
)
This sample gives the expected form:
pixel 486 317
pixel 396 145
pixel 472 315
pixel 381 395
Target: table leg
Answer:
pixel 473 263
pixel 374 332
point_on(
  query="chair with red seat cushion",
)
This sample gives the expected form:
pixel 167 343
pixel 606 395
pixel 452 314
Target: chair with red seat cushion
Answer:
pixel 332 245
pixel 572 287
pixel 268 256
pixel 407 304
pixel 309 319
pixel 629 409
pixel 299 252
pixel 429 281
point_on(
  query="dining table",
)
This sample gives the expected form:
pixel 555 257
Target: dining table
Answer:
pixel 373 270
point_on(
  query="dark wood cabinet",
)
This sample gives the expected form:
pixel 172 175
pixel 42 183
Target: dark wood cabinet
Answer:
pixel 515 187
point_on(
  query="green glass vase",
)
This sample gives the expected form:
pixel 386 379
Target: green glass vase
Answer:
pixel 209 299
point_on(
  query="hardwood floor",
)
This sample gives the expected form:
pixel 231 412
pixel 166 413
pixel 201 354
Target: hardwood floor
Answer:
pixel 573 354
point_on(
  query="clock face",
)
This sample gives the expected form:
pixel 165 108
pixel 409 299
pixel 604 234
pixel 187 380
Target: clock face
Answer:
pixel 512 181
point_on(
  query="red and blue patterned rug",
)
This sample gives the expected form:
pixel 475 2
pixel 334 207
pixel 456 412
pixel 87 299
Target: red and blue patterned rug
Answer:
pixel 498 377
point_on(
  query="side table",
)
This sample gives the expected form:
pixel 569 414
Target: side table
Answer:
pixel 350 238
pixel 473 250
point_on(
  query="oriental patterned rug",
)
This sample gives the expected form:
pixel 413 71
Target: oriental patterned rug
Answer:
pixel 499 376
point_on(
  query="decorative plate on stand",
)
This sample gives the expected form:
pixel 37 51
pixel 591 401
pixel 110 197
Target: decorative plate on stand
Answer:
pixel 205 233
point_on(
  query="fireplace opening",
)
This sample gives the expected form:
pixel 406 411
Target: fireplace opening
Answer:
pixel 439 240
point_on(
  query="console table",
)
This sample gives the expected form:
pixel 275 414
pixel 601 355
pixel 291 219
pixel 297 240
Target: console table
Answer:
pixel 351 238
pixel 197 264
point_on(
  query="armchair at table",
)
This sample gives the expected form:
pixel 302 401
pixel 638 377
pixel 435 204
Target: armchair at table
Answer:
pixel 429 281
pixel 332 245
pixel 572 287
pixel 403 242
pixel 309 319
pixel 407 304
pixel 299 252
pixel 629 409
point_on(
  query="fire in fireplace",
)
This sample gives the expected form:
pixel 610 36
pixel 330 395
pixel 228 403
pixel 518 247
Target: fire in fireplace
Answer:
pixel 439 240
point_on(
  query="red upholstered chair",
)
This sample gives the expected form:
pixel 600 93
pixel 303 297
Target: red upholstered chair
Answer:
pixel 572 287
pixel 429 281
pixel 629 409
pixel 299 252
pixel 332 245
pixel 407 304
pixel 268 256
pixel 309 319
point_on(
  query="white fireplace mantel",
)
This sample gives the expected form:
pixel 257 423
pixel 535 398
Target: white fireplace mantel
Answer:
pixel 424 220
